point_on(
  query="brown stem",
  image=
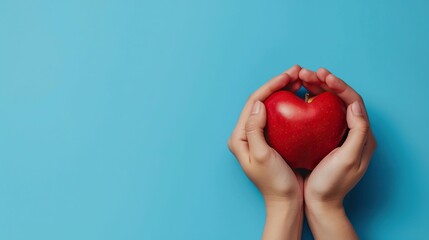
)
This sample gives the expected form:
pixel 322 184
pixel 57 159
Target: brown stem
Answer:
pixel 306 97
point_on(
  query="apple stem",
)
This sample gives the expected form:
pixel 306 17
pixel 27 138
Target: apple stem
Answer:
pixel 306 97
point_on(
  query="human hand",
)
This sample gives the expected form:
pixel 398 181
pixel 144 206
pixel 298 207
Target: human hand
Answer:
pixel 327 185
pixel 280 186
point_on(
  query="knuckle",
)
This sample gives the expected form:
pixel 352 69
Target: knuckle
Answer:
pixel 373 147
pixel 331 78
pixel 362 168
pixel 373 141
pixel 251 126
pixel 360 98
pixel 323 69
pixel 261 155
pixel 319 190
pixel 350 164
pixel 230 145
pixel 285 74
pixel 363 127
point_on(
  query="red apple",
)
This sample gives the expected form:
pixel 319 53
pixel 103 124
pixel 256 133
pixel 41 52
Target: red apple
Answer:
pixel 304 132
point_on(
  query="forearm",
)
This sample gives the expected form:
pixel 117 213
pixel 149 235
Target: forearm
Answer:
pixel 283 220
pixel 329 221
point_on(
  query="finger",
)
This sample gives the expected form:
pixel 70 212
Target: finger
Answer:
pixel 258 147
pixel 322 73
pixel 357 137
pixel 310 81
pixel 313 89
pixel 338 86
pixel 309 76
pixel 276 83
pixel 261 94
pixel 295 86
pixel 240 149
pixel 368 150
pixel 238 140
pixel 294 72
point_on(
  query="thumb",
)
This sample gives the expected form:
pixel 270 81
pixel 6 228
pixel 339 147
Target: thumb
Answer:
pixel 258 147
pixel 359 127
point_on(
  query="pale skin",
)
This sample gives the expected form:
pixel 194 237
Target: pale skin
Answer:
pixel 287 194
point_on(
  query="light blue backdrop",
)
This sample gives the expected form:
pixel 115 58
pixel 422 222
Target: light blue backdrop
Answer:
pixel 114 115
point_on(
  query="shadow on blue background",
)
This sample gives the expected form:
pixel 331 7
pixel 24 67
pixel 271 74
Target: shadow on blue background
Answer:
pixel 374 194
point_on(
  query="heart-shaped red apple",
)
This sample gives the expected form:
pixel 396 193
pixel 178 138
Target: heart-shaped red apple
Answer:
pixel 303 132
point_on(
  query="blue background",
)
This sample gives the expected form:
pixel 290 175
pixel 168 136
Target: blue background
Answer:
pixel 114 115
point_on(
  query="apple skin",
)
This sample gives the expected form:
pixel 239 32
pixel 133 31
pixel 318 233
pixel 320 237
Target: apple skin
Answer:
pixel 303 133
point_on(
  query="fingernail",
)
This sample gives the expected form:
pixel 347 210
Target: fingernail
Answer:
pixel 256 107
pixel 357 109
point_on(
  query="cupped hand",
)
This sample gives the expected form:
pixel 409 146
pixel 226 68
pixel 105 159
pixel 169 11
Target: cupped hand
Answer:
pixel 261 163
pixel 341 169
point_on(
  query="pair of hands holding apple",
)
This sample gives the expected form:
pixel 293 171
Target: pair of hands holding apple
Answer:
pixel 336 174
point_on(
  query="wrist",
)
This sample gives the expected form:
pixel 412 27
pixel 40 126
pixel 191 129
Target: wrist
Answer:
pixel 276 206
pixel 324 206
pixel 327 219
pixel 281 205
pixel 315 210
pixel 281 200
pixel 324 210
pixel 284 217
